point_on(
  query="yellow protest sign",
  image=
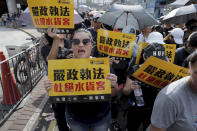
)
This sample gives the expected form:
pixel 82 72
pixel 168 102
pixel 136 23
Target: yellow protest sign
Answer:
pixel 115 43
pixel 141 46
pixel 169 51
pixel 159 73
pixel 56 13
pixel 78 80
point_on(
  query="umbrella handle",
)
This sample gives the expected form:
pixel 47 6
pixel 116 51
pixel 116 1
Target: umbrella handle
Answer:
pixel 127 17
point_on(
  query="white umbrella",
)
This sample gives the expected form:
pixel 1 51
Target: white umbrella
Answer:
pixel 181 15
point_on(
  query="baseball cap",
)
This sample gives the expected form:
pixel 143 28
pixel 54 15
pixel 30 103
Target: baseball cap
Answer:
pixel 177 34
pixel 156 50
pixel 97 15
pixel 155 37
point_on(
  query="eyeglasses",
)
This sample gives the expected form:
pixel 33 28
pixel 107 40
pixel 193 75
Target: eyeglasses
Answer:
pixel 77 41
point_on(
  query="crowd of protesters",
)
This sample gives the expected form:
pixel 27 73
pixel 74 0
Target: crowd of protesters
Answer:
pixel 9 19
pixel 175 108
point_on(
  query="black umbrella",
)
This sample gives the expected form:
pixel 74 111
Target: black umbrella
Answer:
pixel 138 19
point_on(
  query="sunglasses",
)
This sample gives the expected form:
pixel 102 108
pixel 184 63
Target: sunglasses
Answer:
pixel 77 41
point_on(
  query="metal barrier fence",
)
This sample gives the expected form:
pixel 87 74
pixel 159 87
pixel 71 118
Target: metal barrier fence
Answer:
pixel 18 76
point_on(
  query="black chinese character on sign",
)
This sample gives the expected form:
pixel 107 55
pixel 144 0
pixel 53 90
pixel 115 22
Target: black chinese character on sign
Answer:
pixel 72 74
pixel 35 11
pixel 150 69
pixel 54 11
pixel 160 73
pixel 125 44
pixel 43 11
pixel 85 74
pixel 117 43
pixel 98 73
pixel 169 54
pixel 109 41
pixel 102 39
pixel 64 11
pixel 59 75
pixel 169 76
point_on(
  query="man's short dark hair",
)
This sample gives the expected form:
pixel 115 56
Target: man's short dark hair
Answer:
pixel 190 22
pixel 192 40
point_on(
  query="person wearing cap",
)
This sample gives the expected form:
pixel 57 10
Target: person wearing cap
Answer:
pixel 175 37
pixel 96 25
pixel 182 53
pixel 138 115
pixel 155 37
pixel 175 108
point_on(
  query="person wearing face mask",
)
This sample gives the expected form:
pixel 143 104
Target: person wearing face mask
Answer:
pixel 182 53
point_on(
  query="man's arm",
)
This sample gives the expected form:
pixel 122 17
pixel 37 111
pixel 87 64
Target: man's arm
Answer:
pixel 153 128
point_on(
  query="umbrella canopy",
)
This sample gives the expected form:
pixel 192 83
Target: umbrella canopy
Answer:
pixel 181 15
pixel 116 7
pixel 138 19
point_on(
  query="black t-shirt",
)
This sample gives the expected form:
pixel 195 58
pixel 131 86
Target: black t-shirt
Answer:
pixel 149 92
pixel 90 112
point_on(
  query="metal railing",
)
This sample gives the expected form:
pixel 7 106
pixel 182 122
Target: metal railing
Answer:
pixel 18 76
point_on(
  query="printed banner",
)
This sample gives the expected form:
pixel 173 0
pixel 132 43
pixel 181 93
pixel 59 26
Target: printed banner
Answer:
pixel 169 51
pixel 79 80
pixel 159 73
pixel 56 13
pixel 115 43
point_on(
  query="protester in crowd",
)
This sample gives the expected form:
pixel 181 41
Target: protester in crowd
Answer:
pixel 175 37
pixel 191 26
pixel 175 108
pixel 167 28
pixel 140 114
pixel 90 115
pixel 155 37
pixel 182 53
pixel 158 28
pixel 142 37
pixel 48 46
pixel 193 46
pixel 96 25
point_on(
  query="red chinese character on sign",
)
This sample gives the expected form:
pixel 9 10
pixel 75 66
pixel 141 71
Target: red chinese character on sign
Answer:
pixel 42 21
pixel 49 21
pixel 79 87
pixel 58 88
pixel 157 82
pixel 90 86
pixel 125 52
pixel 142 76
pixel 100 85
pixel 37 21
pixel 68 87
pixel 165 83
pixel 118 51
pixel 100 47
pixel 111 50
pixel 106 48
pixel 66 21
pixel 150 79
pixel 57 21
